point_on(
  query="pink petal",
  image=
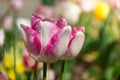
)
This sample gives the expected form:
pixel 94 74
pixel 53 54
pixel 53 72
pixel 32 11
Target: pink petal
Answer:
pixel 33 42
pixel 57 46
pixel 75 45
pixel 35 19
pixel 76 29
pixel 29 62
pixel 61 23
pixel 46 30
pixel 52 44
pixel 62 44
pixel 27 29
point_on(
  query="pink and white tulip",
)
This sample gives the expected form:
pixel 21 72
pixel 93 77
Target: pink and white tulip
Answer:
pixel 17 5
pixel 46 40
pixel 3 76
pixel 75 43
pixel 28 61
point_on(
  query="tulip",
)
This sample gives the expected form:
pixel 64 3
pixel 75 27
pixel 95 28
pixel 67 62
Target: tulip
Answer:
pixel 3 76
pixel 29 62
pixel 17 5
pixel 75 43
pixel 2 37
pixel 101 11
pixel 70 11
pixel 45 11
pixel 46 40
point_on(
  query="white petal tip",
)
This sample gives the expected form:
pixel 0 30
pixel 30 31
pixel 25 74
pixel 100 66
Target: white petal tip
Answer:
pixel 79 33
pixel 67 28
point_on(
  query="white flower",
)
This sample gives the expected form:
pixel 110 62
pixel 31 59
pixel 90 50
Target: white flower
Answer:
pixel 69 11
pixel 87 5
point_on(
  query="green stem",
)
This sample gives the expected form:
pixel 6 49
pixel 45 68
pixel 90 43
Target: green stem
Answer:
pixel 62 70
pixel 14 55
pixel 44 70
pixel 35 72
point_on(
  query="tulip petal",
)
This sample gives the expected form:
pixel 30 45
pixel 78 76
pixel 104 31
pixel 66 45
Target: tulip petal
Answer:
pixel 23 32
pixel 58 44
pixel 35 22
pixel 76 29
pixel 52 44
pixel 61 23
pixel 35 19
pixel 76 44
pixel 46 31
pixel 33 42
pixel 62 44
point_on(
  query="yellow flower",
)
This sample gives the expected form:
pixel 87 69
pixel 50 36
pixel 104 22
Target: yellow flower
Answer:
pixel 20 67
pixel 8 61
pixel 101 11
pixel 11 74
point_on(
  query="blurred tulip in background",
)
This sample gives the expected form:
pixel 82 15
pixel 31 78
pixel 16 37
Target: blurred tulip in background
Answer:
pixel 17 5
pixel 70 11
